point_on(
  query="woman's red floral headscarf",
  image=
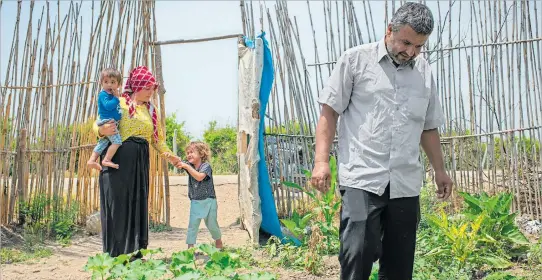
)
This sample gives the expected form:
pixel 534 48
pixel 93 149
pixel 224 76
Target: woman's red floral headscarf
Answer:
pixel 140 78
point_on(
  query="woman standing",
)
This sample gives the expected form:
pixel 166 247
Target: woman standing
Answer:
pixel 124 192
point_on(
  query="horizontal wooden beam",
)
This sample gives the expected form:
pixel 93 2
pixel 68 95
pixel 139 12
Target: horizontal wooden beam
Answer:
pixel 455 48
pixel 185 41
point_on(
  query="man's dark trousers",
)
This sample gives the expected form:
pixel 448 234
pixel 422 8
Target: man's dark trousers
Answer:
pixel 376 227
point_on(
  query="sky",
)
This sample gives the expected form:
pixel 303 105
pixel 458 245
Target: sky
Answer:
pixel 201 78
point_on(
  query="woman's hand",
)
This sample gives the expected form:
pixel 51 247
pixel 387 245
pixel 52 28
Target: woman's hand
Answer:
pixel 174 160
pixel 108 129
pixel 171 158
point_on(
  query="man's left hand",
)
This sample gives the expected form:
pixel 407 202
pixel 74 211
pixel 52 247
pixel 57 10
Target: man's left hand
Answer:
pixel 444 185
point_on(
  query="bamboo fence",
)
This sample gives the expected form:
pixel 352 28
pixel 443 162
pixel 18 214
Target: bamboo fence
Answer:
pixel 485 56
pixel 48 100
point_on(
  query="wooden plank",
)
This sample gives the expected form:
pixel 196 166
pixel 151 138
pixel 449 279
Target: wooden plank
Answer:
pixel 199 40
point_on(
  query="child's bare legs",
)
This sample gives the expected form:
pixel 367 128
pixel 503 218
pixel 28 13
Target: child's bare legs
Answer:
pixel 92 161
pixel 109 155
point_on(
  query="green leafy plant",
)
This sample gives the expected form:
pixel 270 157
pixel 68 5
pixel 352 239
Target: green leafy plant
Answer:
pixel 462 242
pixel 159 227
pixel 297 225
pixel 501 276
pixel 326 205
pixel 104 266
pixel 291 256
pixel 317 231
pixel 534 255
pixel 183 265
pixel 13 255
pixel 499 225
pixel 480 239
pixel 45 217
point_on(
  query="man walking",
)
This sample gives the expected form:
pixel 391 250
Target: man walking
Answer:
pixel 386 98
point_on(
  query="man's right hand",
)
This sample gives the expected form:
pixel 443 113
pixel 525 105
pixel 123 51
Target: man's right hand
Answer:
pixel 108 129
pixel 321 176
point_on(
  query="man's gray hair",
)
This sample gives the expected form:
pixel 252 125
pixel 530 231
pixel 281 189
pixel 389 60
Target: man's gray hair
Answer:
pixel 417 15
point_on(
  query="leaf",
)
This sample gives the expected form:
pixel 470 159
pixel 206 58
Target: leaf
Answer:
pixel 500 276
pixel 119 271
pixel 307 173
pixel 336 206
pixel 183 257
pixel 292 185
pixel 490 205
pixel 495 261
pixel 305 220
pixel 473 203
pixel 145 252
pixel 292 227
pixel 156 269
pixel 218 278
pixel 190 276
pixel 121 259
pixel 333 171
pixel 257 276
pixel 298 187
pixel 208 249
pixel 101 264
pixel 438 251
pixel 504 202
pixel 514 235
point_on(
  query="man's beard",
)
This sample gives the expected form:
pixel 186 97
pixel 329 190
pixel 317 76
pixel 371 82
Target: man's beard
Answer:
pixel 394 56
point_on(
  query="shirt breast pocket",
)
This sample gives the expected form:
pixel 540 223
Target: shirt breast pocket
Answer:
pixel 417 107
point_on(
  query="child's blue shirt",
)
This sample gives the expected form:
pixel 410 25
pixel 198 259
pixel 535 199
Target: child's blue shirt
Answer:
pixel 108 106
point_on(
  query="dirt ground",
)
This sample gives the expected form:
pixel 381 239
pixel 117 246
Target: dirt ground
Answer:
pixel 68 262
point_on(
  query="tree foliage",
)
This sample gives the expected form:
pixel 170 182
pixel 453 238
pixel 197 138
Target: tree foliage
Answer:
pixel 183 137
pixel 223 143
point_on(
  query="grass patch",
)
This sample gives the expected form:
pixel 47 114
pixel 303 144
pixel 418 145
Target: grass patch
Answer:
pixel 159 227
pixel 12 255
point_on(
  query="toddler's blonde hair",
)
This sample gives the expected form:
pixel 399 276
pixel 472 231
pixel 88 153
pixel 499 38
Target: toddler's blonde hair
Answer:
pixel 201 148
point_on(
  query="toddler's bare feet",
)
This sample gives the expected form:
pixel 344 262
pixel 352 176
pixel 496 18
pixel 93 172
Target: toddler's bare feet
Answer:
pixel 109 163
pixel 218 244
pixel 93 164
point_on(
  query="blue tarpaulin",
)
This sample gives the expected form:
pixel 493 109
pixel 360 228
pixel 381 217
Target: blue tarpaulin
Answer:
pixel 270 218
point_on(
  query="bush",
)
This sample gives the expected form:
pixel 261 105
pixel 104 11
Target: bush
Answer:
pixel 183 137
pixel 223 144
pixel 312 234
pixel 481 240
pixel 47 217
pixel 12 255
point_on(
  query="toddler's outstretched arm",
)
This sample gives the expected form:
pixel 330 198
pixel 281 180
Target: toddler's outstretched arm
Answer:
pixel 199 176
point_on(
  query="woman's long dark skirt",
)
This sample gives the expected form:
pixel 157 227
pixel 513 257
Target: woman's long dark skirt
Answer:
pixel 124 194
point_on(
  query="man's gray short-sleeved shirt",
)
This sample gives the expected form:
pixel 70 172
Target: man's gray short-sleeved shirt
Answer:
pixel 383 111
